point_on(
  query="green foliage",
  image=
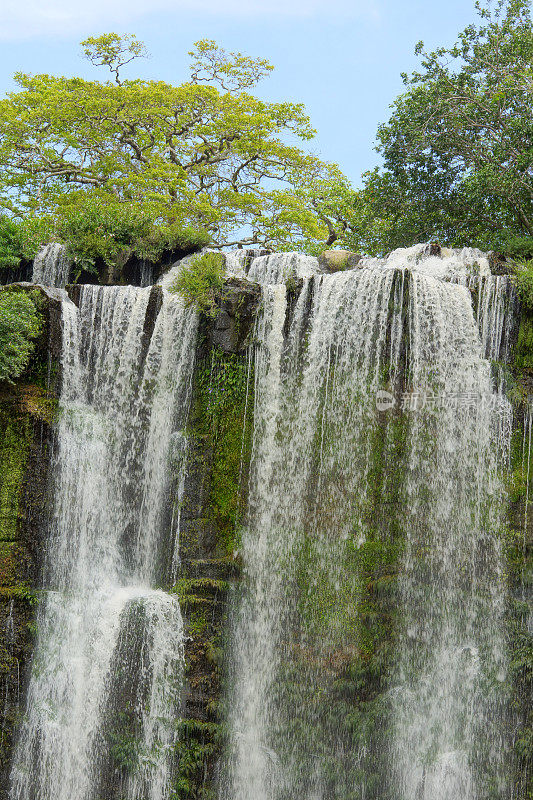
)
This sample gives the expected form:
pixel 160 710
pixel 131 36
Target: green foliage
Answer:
pixel 23 238
pixel 36 231
pixel 523 278
pixel 220 420
pixel 113 51
pixel 20 324
pixel 196 745
pixel 25 593
pixel 11 247
pixel 100 228
pixel 524 283
pixel 200 280
pixel 205 154
pixel 519 247
pixel 123 743
pixel 458 148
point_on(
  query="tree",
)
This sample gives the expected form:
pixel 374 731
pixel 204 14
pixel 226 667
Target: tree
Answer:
pixel 11 249
pixel 458 148
pixel 20 323
pixel 205 154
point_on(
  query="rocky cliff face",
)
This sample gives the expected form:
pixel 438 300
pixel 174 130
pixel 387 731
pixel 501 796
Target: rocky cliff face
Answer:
pixel 213 497
pixel 27 410
pixel 210 505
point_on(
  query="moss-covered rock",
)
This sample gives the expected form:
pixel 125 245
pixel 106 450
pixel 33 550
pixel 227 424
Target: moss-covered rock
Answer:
pixel 338 260
pixel 27 410
pixel 219 444
pixel 237 304
pixel 25 446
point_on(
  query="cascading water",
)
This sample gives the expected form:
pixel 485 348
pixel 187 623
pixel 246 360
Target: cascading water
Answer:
pixel 279 267
pixel 447 705
pixel 51 266
pixel 368 651
pixel 337 485
pixel 104 688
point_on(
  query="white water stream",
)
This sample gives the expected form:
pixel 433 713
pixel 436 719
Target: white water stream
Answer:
pixel 51 266
pixel 335 482
pixel 380 430
pixel 125 391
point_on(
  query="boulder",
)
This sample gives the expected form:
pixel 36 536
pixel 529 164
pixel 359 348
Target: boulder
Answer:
pixel 434 249
pixel 338 260
pixel 499 264
pixel 237 304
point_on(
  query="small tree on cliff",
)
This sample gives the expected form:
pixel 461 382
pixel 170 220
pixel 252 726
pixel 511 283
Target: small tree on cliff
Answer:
pixel 205 154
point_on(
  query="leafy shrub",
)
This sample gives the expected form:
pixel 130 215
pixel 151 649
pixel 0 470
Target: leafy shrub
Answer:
pixel 520 247
pixel 200 280
pixel 11 247
pixel 112 231
pixel 23 238
pixel 20 323
pixel 524 283
pixel 35 232
pixel 93 230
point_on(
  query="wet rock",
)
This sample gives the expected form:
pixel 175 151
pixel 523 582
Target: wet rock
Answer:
pixel 499 264
pixel 16 274
pixel 26 447
pixel 434 249
pixel 237 304
pixel 152 310
pixel 338 260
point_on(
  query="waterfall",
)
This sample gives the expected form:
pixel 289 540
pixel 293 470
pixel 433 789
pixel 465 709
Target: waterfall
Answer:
pixel 496 301
pixel 255 265
pixel 108 666
pixel 238 262
pixel 368 653
pixel 51 266
pixel 279 267
pixel 379 435
pixel 447 705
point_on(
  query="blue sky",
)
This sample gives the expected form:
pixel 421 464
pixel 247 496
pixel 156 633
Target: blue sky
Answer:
pixel 341 58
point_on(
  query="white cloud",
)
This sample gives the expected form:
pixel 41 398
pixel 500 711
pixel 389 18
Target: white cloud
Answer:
pixel 25 19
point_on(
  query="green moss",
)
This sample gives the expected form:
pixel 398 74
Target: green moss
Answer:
pixel 197 745
pixel 222 421
pixel 200 280
pixel 524 344
pixel 199 587
pixel 197 623
pixel 15 439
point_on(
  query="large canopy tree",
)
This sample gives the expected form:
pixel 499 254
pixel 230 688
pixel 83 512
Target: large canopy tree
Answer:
pixel 458 148
pixel 205 154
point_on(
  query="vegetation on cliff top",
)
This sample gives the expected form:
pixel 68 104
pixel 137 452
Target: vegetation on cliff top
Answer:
pixel 206 154
pixel 458 148
pixel 199 281
pixel 20 324
pixel 138 167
